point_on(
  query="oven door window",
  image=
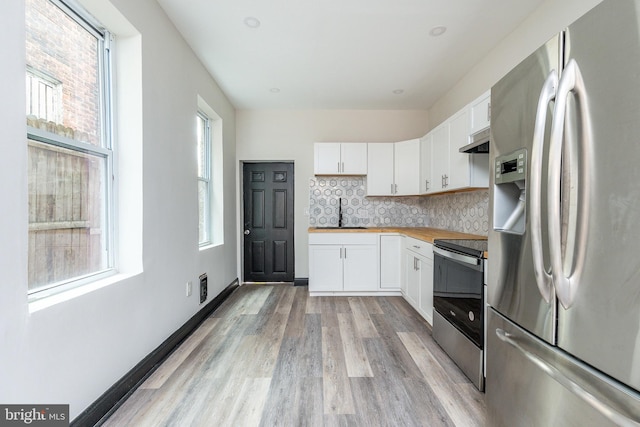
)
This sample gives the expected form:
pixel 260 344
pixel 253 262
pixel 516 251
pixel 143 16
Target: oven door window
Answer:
pixel 458 296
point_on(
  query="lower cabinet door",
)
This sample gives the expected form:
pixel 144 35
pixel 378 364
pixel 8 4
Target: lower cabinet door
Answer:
pixel 391 263
pixel 360 267
pixel 425 266
pixel 412 278
pixel 325 268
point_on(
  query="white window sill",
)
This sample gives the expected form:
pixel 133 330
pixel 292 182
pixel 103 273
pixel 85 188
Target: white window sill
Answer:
pixel 209 246
pixel 67 295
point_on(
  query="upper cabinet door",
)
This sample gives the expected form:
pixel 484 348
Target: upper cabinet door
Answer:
pixel 380 169
pixel 326 158
pixel 426 156
pixel 407 168
pixel 480 112
pixel 353 158
pixel 440 163
pixel 458 176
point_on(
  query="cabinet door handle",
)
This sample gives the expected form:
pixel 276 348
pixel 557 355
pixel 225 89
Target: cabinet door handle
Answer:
pixel 426 182
pixel 395 189
pixel 338 167
pixel 489 112
pixel 345 253
pixel 342 167
pixel 391 188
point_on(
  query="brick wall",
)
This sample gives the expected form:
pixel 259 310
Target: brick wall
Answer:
pixel 59 48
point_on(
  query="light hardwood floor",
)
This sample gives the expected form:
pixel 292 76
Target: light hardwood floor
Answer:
pixel 271 355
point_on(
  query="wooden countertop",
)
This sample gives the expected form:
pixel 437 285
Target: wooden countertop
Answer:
pixel 427 234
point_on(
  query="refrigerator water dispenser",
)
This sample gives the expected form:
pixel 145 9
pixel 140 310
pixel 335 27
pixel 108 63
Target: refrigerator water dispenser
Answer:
pixel 510 171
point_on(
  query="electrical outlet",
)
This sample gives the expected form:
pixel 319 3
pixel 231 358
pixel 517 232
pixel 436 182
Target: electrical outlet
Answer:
pixel 189 288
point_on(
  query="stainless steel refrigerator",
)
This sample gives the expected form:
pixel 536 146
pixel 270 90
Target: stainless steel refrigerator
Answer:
pixel 563 331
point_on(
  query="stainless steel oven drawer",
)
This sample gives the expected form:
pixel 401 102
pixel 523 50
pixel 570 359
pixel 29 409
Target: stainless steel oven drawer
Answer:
pixel 462 351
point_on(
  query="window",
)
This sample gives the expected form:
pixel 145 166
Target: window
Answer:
pixel 70 152
pixel 204 178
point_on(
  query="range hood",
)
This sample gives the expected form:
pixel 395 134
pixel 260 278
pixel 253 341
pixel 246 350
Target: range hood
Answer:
pixel 479 142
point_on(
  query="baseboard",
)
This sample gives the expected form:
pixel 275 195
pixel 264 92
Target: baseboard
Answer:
pixel 301 281
pixel 126 385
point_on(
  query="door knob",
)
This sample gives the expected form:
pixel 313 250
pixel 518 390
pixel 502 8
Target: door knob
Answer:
pixel 247 232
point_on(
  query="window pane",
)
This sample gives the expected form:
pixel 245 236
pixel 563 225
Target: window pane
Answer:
pixel 203 212
pixel 67 223
pixel 63 78
pixel 202 147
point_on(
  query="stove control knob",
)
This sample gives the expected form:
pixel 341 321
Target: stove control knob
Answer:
pixel 471 316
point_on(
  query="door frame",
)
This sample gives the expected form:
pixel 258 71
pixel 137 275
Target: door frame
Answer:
pixel 240 210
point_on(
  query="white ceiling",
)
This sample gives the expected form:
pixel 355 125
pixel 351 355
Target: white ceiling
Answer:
pixel 342 54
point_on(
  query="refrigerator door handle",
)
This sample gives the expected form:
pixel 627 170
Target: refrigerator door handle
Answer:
pixel 547 94
pixel 596 397
pixel 567 285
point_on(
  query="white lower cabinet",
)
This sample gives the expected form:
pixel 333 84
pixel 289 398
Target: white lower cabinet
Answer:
pixel 343 262
pixel 372 263
pixel 391 263
pixel 418 286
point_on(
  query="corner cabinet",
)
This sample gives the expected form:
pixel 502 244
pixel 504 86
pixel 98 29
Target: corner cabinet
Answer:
pixel 343 262
pixel 391 246
pixel 393 168
pixel 340 158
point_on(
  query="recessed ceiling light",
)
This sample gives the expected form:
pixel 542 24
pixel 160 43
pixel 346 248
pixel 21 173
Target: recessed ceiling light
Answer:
pixel 398 91
pixel 251 22
pixel 438 31
pixel 275 90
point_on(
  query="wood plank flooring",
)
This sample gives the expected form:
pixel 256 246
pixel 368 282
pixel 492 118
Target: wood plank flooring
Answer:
pixel 271 355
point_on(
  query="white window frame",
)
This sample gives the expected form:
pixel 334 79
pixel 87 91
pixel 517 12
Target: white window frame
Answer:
pixel 205 177
pixel 106 151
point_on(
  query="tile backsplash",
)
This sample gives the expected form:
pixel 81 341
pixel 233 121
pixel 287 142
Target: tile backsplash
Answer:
pixel 466 212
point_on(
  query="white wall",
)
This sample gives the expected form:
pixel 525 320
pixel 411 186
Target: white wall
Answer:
pixel 549 19
pixel 73 351
pixel 280 135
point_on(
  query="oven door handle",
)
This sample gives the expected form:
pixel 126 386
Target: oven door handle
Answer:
pixel 456 256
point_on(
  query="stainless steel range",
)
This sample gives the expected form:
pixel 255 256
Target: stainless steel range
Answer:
pixel 458 299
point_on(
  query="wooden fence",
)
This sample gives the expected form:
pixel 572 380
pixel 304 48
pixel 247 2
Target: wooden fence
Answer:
pixel 65 214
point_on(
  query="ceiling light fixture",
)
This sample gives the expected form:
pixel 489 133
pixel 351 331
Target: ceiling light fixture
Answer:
pixel 251 22
pixel 275 90
pixel 437 31
pixel 398 91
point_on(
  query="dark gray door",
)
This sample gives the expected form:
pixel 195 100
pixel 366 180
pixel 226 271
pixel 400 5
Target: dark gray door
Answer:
pixel 268 222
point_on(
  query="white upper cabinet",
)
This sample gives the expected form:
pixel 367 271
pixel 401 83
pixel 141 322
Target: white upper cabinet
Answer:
pixel 426 156
pixel 393 168
pixel 449 169
pixel 458 176
pixel 480 112
pixel 340 158
pixel 406 163
pixel 440 159
pixel 380 169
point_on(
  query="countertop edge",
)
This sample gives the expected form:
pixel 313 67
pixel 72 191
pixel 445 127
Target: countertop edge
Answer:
pixel 427 234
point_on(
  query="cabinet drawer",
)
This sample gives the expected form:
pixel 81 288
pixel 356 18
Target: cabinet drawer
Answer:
pixel 419 246
pixel 343 238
